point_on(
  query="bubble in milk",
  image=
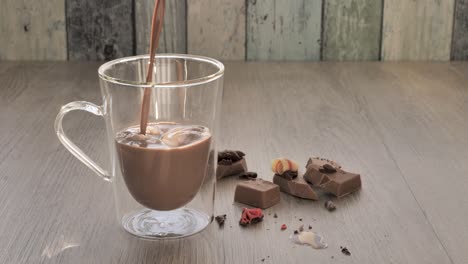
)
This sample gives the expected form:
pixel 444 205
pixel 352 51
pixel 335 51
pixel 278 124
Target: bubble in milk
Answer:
pixel 184 135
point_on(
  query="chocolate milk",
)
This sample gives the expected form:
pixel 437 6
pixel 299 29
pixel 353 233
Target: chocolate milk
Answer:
pixel 164 168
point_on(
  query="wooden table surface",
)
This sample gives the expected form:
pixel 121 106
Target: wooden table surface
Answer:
pixel 403 126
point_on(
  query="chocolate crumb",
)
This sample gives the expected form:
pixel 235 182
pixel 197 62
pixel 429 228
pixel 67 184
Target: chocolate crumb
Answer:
pixel 310 227
pixel 296 232
pixel 263 260
pixel 345 251
pixel 220 220
pixel 330 206
pixel 275 215
pixel 300 219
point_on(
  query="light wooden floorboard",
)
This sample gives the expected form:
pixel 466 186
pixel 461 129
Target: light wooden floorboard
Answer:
pixel 402 126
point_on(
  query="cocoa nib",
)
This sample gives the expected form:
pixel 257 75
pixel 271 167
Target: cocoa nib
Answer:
pixel 220 220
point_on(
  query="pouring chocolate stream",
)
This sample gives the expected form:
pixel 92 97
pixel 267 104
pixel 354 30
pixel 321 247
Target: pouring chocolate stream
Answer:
pixel 156 28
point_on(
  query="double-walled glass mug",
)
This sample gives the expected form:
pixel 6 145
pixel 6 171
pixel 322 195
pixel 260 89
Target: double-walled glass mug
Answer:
pixel 164 180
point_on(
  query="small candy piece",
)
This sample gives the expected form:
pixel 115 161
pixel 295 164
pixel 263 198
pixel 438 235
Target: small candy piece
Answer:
pixel 279 166
pixel 283 227
pixel 220 220
pixel 251 216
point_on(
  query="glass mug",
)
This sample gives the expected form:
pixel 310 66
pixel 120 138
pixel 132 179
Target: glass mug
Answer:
pixel 164 186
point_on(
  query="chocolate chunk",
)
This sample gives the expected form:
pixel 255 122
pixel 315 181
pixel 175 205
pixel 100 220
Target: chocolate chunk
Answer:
pixel 235 168
pixel 288 175
pixel 258 193
pixel 330 206
pixel 339 183
pixel 248 175
pixel 225 162
pixel 297 187
pixel 232 155
pixel 220 220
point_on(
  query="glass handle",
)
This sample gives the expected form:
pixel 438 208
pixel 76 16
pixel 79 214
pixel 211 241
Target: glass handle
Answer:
pixel 77 152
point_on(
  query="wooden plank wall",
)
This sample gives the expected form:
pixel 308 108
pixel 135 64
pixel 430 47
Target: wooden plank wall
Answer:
pixel 460 31
pixel 99 30
pixel 284 30
pixel 305 30
pixel 174 36
pixel 32 30
pixel 351 30
pixel 216 28
pixel 417 30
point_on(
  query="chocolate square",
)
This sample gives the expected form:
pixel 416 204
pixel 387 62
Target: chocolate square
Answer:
pixel 258 193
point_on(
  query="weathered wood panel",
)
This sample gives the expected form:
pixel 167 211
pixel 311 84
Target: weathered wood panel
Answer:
pixel 32 30
pixel 417 30
pixel 283 30
pixel 460 31
pixel 352 30
pixel 99 30
pixel 216 28
pixel 174 35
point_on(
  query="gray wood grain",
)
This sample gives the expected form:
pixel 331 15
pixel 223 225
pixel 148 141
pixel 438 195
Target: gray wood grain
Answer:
pixel 460 31
pixel 32 30
pixel 284 30
pixel 351 30
pixel 402 126
pixel 173 38
pixel 216 28
pixel 99 30
pixel 417 30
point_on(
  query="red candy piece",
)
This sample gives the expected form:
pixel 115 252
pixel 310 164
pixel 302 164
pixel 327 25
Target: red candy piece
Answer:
pixel 283 227
pixel 251 216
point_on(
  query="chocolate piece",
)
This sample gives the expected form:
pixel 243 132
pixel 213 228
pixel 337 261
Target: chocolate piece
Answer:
pixel 297 187
pixel 251 216
pixel 339 183
pixel 258 193
pixel 232 155
pixel 288 175
pixel 330 206
pixel 224 169
pixel 220 220
pixel 316 173
pixel 248 175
